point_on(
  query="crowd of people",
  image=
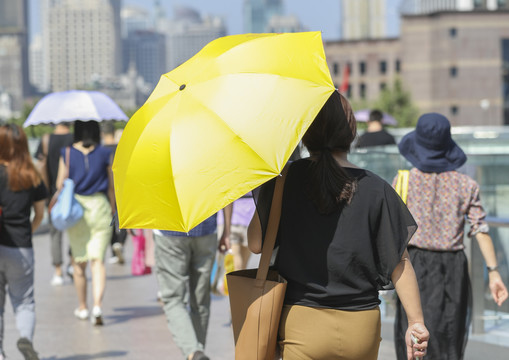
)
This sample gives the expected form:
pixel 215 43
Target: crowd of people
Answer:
pixel 344 235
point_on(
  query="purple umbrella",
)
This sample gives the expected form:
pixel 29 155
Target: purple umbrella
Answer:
pixel 68 106
pixel 363 116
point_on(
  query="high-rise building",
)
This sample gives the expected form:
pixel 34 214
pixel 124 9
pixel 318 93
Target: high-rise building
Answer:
pixel 430 6
pixel 14 79
pixel 282 24
pixel 36 63
pixel 146 49
pixel 188 33
pixel 133 19
pixel 463 75
pixel 258 13
pixel 82 41
pixel 364 19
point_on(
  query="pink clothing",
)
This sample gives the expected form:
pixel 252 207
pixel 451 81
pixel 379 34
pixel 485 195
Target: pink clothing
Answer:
pixel 439 202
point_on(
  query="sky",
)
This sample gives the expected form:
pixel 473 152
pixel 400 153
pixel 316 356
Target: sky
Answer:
pixel 315 15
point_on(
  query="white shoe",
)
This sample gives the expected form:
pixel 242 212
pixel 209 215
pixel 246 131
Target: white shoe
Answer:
pixel 97 316
pixel 118 249
pixel 113 260
pixel 57 280
pixel 81 314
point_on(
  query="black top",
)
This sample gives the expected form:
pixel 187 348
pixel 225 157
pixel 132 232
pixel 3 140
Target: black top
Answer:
pixel 56 142
pixel 375 138
pixel 339 260
pixel 15 225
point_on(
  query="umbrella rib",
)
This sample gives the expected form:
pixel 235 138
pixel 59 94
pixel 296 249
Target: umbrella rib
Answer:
pixel 216 116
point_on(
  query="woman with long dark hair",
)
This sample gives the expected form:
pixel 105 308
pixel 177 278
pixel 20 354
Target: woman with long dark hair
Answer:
pixel 342 237
pixel 90 169
pixel 21 190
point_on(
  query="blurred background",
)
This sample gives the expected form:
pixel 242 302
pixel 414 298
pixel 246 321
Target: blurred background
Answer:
pixel 404 57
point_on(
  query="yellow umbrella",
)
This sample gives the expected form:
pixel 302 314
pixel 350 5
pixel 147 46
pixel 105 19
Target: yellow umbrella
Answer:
pixel 216 127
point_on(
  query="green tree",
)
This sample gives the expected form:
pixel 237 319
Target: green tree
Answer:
pixel 397 102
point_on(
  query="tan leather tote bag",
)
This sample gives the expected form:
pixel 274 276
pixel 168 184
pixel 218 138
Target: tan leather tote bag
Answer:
pixel 257 295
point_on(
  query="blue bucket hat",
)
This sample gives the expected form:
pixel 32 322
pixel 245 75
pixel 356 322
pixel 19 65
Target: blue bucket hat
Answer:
pixel 430 147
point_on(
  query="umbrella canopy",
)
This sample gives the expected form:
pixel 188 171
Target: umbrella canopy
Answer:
pixel 363 116
pixel 218 126
pixel 67 106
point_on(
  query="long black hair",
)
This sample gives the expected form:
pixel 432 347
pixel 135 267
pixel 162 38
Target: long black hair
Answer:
pixel 87 131
pixel 333 129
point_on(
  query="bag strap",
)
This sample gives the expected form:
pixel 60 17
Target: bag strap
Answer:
pixel 67 160
pixel 272 226
pixel 402 184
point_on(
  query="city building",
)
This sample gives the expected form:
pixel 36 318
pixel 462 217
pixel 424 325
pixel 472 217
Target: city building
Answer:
pixel 36 63
pixel 146 49
pixel 258 13
pixel 452 62
pixel 187 33
pixel 286 23
pixel 14 76
pixel 82 41
pixel 134 18
pixel 421 7
pixel 370 65
pixel 363 19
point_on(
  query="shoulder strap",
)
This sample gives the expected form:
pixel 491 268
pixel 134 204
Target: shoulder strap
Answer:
pixel 402 184
pixel 67 160
pixel 272 226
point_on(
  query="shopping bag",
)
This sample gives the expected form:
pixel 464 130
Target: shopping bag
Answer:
pixel 217 275
pixel 138 265
pixel 257 296
pixel 65 210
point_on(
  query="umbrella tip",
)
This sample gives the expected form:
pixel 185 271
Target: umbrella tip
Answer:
pixel 182 87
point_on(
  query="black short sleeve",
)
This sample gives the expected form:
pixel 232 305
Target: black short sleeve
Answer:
pixel 396 227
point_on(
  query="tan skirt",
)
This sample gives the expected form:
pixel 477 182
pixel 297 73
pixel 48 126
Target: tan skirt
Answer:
pixel 90 237
pixel 317 333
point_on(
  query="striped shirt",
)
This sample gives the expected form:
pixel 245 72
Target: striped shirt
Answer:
pixel 441 203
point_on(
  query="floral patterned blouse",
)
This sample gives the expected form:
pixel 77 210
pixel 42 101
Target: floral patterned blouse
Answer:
pixel 440 203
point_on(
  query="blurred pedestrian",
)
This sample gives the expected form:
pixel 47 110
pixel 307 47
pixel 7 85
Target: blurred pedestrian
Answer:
pixel 118 236
pixel 342 237
pixel 90 169
pixel 440 199
pixel 184 264
pixel 243 210
pixel 21 190
pixel 48 153
pixel 375 134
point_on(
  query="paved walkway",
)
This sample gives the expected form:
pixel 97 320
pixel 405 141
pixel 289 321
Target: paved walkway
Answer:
pixel 135 326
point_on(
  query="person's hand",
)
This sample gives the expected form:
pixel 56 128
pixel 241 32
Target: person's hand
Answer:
pixel 224 243
pixel 418 349
pixel 497 288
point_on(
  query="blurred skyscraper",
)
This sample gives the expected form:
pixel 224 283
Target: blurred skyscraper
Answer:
pixel 142 46
pixel 82 41
pixel 134 18
pixel 36 63
pixel 429 6
pixel 14 79
pixel 258 13
pixel 287 23
pixel 369 19
pixel 187 33
pixel 146 49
